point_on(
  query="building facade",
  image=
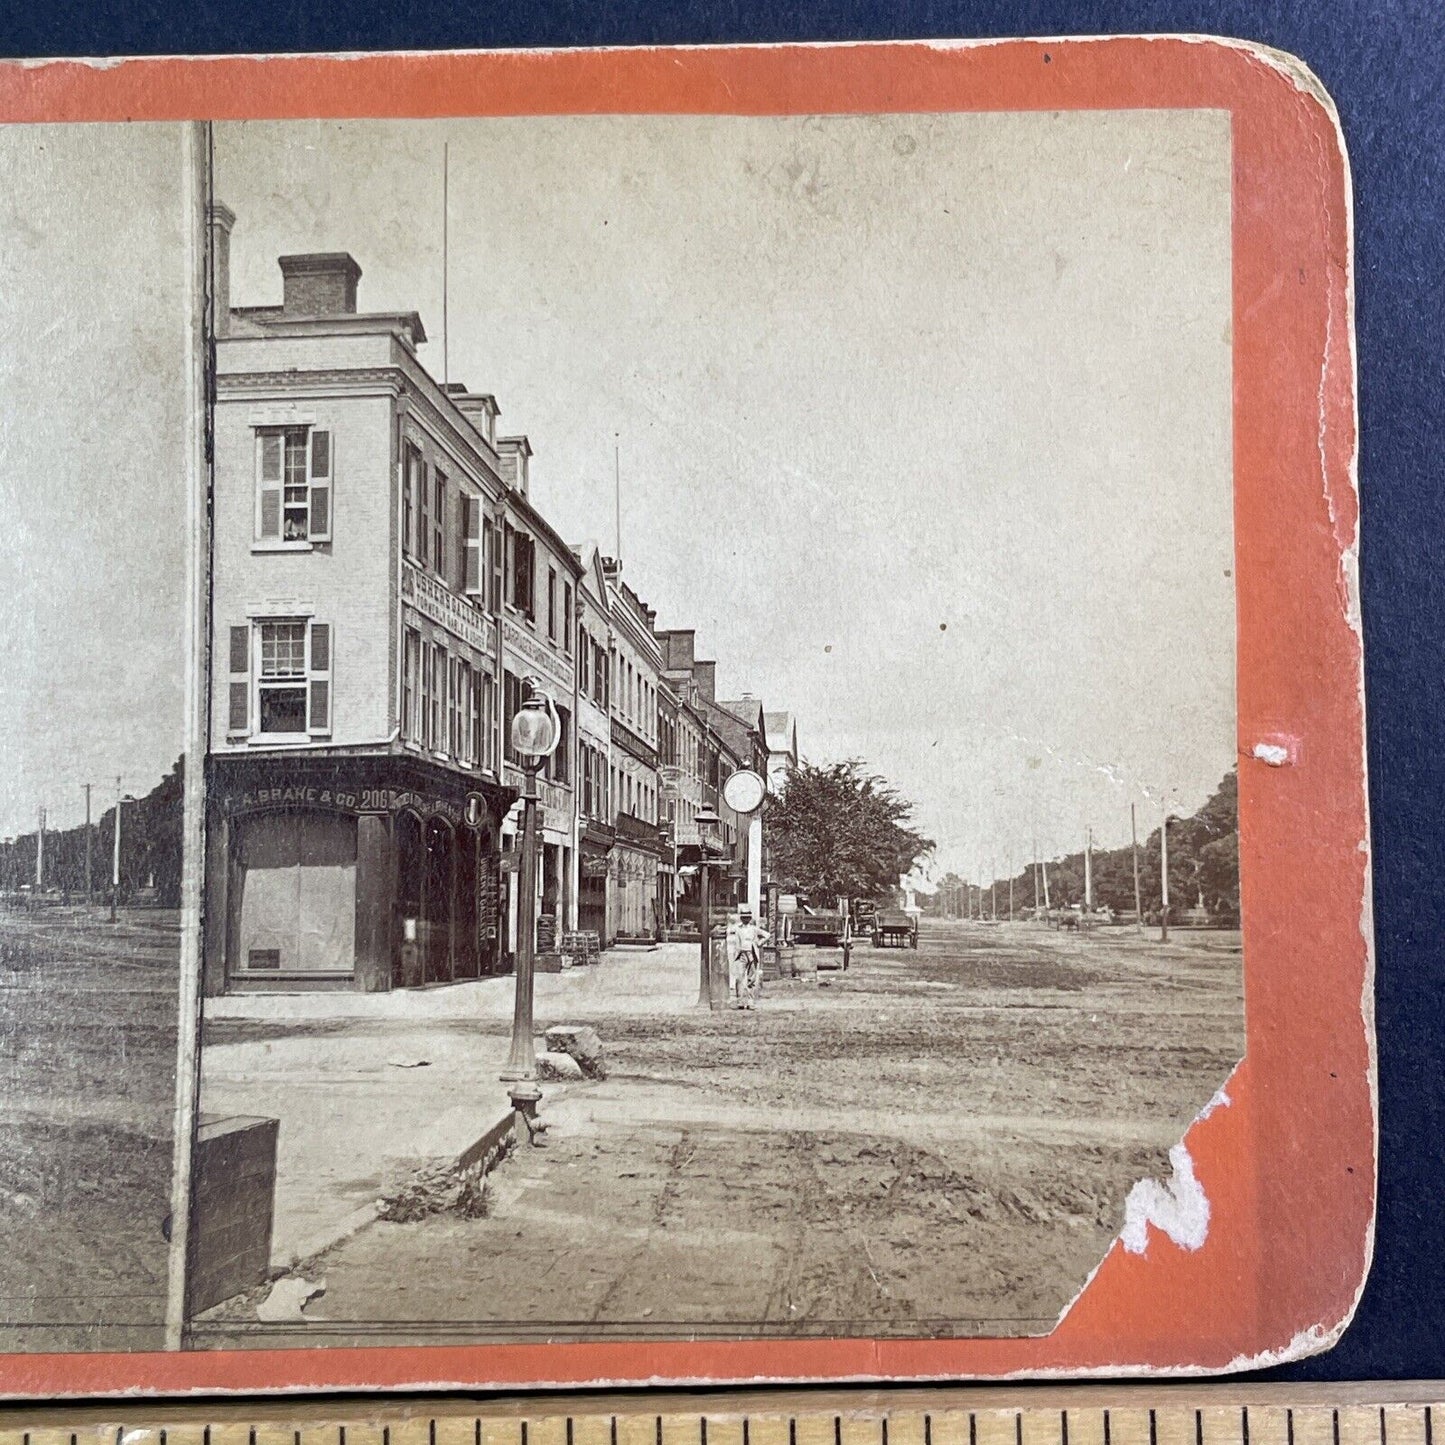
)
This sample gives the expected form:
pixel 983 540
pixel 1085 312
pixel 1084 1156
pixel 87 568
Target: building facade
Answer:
pixel 356 788
pixel 636 669
pixel 384 594
pixel 596 819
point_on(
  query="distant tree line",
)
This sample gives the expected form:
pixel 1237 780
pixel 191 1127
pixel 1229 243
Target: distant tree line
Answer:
pixel 1203 865
pixel 150 848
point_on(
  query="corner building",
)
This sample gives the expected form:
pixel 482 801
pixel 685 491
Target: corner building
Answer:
pixel 380 584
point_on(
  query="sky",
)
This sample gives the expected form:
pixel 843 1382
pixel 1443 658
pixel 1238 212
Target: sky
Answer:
pixel 92 486
pixel 923 421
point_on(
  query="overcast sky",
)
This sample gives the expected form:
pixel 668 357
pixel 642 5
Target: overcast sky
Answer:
pixel 92 486
pixel 924 420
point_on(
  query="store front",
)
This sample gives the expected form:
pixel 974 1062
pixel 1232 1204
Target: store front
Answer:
pixel 592 876
pixel 367 873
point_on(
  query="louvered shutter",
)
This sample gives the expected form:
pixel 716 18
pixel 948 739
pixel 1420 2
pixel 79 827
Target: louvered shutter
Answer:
pixel 238 717
pixel 473 578
pixel 494 561
pixel 319 485
pixel 318 678
pixel 270 464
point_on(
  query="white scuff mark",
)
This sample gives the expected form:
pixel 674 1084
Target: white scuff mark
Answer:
pixel 1178 1208
pixel 1221 1100
pixel 1275 754
pixel 288 1297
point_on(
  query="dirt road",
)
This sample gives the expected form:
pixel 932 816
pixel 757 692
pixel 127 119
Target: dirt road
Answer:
pixel 937 1142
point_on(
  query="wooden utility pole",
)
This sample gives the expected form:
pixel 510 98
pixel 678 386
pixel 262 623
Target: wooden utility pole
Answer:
pixel 1134 845
pixel 1164 876
pixel 115 862
pixel 88 889
pixel 1089 870
pixel 992 891
pixel 40 849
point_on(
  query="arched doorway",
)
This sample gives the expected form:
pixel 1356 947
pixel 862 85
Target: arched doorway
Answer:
pixel 408 957
pixel 438 898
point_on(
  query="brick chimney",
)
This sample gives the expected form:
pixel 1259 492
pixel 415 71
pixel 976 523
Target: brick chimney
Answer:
pixel 706 675
pixel 222 218
pixel 320 284
pixel 677 647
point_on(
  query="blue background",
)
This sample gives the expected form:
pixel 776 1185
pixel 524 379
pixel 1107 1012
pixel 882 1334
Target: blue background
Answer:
pixel 1385 66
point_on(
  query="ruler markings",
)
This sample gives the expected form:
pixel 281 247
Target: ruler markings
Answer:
pixel 865 1420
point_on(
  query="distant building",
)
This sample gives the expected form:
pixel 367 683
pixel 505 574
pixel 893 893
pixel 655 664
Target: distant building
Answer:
pixel 782 734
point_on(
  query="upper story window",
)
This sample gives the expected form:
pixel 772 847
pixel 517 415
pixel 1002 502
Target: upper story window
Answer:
pixel 552 603
pixel 521 567
pixel 293 484
pixel 280 679
pixel 567 617
pixel 476 546
pixel 439 522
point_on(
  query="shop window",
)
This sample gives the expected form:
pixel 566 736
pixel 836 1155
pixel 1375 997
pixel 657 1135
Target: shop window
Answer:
pixel 293 484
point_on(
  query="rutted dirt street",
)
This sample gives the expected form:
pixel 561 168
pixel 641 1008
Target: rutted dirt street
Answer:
pixel 938 1141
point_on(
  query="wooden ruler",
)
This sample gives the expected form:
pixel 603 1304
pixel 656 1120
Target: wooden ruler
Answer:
pixel 1138 1414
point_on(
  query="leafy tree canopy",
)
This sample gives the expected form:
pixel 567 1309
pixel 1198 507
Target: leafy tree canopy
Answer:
pixel 841 831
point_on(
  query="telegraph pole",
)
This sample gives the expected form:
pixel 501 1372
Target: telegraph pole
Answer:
pixel 1164 876
pixel 88 889
pixel 1134 845
pixel 1088 870
pixel 40 849
pixel 115 858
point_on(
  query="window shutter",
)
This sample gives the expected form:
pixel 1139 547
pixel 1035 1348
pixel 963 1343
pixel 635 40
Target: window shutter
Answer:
pixel 472 578
pixel 494 548
pixel 270 464
pixel 423 515
pixel 318 715
pixel 238 721
pixel 318 478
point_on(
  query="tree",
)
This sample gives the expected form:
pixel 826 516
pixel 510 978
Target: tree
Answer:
pixel 839 831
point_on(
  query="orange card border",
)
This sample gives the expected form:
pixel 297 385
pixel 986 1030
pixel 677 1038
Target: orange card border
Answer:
pixel 1287 1160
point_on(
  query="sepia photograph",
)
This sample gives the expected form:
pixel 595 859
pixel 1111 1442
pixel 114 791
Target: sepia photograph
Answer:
pixel 92 573
pixel 721 811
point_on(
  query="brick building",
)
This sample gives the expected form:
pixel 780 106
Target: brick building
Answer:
pixel 380 583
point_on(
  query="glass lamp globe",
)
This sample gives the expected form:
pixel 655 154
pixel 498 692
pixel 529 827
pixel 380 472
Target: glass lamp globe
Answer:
pixel 534 729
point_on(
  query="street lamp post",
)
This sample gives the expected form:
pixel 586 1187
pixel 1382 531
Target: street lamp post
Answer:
pixel 708 824
pixel 535 732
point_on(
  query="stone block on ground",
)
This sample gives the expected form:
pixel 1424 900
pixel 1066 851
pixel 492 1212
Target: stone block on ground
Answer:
pixel 581 1043
pixel 558 1067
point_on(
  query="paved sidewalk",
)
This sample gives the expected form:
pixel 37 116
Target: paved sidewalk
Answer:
pixel 369 1087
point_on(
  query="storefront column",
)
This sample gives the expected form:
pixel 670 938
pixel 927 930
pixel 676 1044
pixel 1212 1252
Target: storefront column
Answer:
pixel 375 904
pixel 219 867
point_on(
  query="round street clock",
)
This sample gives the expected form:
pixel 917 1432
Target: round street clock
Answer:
pixel 744 791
